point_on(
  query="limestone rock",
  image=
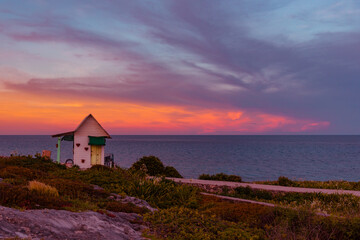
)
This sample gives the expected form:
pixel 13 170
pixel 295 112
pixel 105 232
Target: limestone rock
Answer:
pixel 61 224
pixel 136 201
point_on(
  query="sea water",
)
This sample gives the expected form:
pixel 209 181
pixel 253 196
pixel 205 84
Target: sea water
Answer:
pixel 252 157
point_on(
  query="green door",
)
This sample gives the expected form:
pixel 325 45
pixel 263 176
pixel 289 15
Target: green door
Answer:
pixel 95 155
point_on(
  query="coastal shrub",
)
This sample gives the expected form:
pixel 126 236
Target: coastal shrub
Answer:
pixel 185 223
pixel 339 204
pixel 283 223
pixel 42 188
pixel 221 177
pixel 113 181
pixel 253 214
pixel 76 189
pixel 249 193
pixel 284 181
pixel 22 197
pixel 13 196
pixel 36 163
pixel 171 172
pixel 37 200
pixel 20 173
pixel 153 166
pixel 304 224
pixel 332 184
pixel 164 193
pixel 100 168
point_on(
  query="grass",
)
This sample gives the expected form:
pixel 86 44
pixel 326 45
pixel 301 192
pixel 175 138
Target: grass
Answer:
pixel 221 177
pixel 26 179
pixel 43 189
pixel 35 183
pixel 336 204
pixel 185 223
pixel 339 184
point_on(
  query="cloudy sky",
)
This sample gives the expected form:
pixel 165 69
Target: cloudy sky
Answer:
pixel 180 67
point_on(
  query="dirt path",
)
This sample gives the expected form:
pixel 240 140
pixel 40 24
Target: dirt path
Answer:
pixel 265 187
pixel 239 199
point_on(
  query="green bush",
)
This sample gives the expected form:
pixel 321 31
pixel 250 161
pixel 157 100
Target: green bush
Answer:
pixel 100 168
pixel 164 193
pixel 21 196
pixel 249 193
pixel 76 189
pixel 150 164
pixel 284 181
pixel 171 172
pixel 221 177
pixel 153 166
pixel 41 164
pixel 20 173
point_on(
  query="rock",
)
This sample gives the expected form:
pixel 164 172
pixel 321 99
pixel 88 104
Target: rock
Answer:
pixel 96 187
pixel 61 224
pixel 136 201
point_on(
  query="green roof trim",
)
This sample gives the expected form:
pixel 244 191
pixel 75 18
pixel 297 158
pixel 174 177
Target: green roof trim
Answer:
pixel 97 141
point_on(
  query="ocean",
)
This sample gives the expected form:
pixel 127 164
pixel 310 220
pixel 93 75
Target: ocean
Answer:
pixel 305 157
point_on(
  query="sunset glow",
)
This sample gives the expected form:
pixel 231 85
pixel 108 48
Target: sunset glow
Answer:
pixel 180 67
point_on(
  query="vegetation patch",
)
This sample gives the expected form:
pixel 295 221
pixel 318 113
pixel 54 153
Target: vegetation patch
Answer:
pixel 25 177
pixel 185 223
pixel 42 189
pixel 153 166
pixel 221 177
pixel 35 183
pixel 337 204
pixel 333 184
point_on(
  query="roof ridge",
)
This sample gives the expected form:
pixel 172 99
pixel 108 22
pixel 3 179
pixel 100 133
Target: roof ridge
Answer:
pixel 82 122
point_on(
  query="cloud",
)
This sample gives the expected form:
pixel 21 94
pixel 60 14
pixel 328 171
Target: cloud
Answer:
pixel 188 55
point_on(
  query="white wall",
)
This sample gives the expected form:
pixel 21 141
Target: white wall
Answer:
pixel 80 152
pixel 89 128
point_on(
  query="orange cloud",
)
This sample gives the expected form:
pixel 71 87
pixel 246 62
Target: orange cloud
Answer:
pixel 34 114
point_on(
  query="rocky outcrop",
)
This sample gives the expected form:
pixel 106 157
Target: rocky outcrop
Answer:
pixel 61 224
pixel 126 199
pixel 136 201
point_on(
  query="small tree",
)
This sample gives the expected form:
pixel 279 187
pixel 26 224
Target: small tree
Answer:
pixel 171 172
pixel 153 165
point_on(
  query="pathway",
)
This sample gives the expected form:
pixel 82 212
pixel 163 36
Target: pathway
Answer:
pixel 265 187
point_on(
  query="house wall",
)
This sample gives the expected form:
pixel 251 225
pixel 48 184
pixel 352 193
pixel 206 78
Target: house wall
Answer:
pixel 81 136
pixel 80 152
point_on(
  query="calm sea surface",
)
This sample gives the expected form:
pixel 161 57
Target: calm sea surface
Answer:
pixel 252 157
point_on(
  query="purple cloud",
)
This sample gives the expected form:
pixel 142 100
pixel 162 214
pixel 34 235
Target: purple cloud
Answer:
pixel 216 61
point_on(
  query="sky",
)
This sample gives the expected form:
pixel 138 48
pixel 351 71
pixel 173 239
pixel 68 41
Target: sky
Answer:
pixel 180 67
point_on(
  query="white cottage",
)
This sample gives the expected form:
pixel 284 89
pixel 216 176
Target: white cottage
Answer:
pixel 89 140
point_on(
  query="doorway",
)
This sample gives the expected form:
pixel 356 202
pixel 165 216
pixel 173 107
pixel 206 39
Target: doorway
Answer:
pixel 95 155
